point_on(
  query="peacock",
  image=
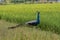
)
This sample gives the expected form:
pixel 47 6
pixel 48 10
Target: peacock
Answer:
pixel 34 22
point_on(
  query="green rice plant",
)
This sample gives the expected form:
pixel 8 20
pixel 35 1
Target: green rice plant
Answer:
pixel 21 13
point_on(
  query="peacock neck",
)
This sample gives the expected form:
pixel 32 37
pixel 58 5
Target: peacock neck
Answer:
pixel 38 18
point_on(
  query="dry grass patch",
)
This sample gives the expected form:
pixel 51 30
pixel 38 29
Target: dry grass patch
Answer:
pixel 25 33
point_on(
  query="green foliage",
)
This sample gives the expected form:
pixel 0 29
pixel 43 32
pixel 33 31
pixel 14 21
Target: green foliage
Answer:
pixel 20 13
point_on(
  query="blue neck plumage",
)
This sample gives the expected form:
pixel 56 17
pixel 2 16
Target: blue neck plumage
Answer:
pixel 38 18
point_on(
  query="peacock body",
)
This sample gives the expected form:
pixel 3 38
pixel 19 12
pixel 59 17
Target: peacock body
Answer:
pixel 35 22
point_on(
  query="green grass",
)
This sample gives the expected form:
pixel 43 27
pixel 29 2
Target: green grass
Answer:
pixel 24 33
pixel 20 13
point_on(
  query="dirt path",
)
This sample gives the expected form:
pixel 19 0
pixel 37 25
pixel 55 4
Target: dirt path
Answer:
pixel 4 28
pixel 4 24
